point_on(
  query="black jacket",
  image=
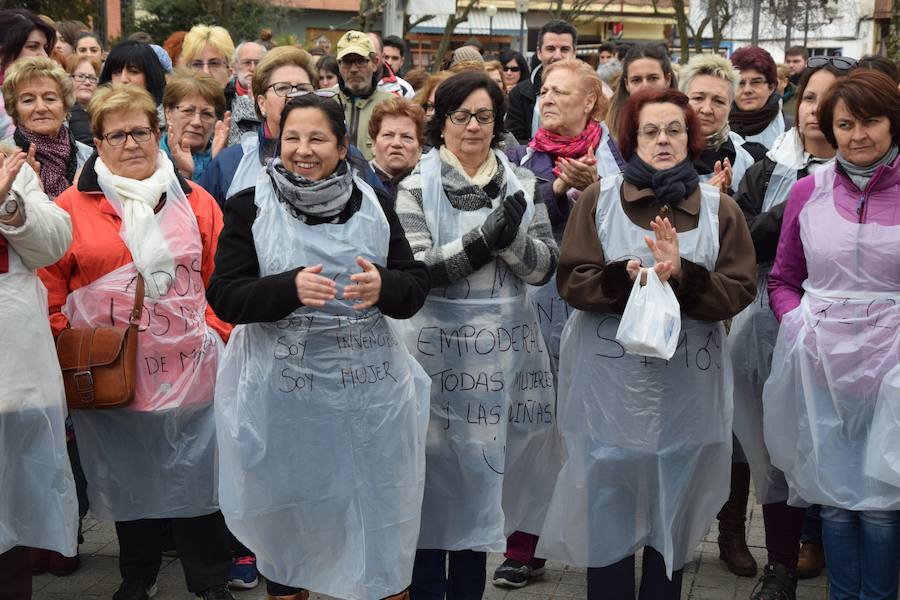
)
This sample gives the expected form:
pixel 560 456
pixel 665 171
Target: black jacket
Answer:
pixel 238 294
pixel 520 107
pixel 765 227
pixel 706 162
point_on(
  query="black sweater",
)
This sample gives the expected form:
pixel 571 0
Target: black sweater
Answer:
pixel 238 294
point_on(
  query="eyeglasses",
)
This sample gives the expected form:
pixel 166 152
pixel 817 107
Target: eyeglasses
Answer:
pixel 81 78
pixel 755 82
pixel 842 63
pixel 353 60
pixel 141 135
pixel 248 62
pixel 285 90
pixel 512 69
pixel 464 117
pixel 188 112
pixel 323 94
pixel 213 64
pixel 651 132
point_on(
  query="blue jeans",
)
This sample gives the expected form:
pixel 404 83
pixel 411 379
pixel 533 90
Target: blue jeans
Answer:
pixel 861 549
pixel 812 526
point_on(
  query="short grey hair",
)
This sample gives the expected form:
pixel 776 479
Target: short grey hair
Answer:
pixel 237 51
pixel 712 65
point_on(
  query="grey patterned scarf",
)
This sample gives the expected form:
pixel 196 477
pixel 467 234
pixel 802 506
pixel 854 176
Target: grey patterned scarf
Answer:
pixel 323 198
pixel 861 175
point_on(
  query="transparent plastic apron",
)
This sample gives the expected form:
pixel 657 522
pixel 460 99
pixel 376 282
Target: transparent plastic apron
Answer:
pixel 551 310
pixel 752 341
pixel 767 136
pixel 480 342
pixel 834 364
pixel 648 441
pixel 742 161
pixel 248 168
pixel 38 507
pixel 155 458
pixel 321 421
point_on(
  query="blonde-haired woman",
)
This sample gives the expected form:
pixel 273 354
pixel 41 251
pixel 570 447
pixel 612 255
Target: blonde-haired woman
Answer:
pixel 137 223
pixel 85 72
pixel 571 150
pixel 38 94
pixel 208 48
pixel 710 82
pixel 197 125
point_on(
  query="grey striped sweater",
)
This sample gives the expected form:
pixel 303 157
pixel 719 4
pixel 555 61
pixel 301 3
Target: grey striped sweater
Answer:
pixel 532 257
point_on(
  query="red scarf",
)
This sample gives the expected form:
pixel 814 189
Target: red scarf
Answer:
pixel 240 89
pixel 559 146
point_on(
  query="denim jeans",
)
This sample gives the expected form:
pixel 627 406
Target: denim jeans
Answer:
pixel 812 526
pixel 861 549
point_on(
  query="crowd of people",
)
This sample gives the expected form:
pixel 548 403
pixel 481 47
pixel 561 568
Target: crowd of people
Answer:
pixel 257 222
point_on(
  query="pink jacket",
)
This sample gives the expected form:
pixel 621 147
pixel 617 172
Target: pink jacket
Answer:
pixel 879 203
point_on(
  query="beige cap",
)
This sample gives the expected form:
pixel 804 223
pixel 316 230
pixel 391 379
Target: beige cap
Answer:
pixel 355 42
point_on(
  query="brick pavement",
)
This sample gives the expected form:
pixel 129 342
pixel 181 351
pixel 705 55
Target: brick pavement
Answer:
pixel 706 578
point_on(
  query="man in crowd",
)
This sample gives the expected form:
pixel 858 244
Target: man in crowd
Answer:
pixel 607 52
pixel 556 41
pixel 388 81
pixel 394 54
pixel 237 93
pixel 795 59
pixel 358 86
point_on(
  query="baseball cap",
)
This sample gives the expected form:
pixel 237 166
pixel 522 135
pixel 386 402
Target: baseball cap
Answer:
pixel 354 42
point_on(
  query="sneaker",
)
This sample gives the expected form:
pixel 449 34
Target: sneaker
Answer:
pixel 243 574
pixel 61 566
pixel 776 583
pixel 217 592
pixel 512 573
pixel 135 589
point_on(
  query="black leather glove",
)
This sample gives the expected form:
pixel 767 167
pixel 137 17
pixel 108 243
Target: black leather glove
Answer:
pixel 493 227
pixel 513 210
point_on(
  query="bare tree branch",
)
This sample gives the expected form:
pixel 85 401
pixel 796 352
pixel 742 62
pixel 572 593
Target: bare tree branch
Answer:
pixel 453 21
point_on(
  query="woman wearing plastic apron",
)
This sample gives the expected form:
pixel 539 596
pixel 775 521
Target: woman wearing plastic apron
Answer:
pixel 38 507
pixel 800 151
pixel 475 219
pixel 756 114
pixel 648 442
pixel 155 459
pixel 830 402
pixel 710 82
pixel 571 150
pixel 321 410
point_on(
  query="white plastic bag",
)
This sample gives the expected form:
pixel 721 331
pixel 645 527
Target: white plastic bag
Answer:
pixel 651 322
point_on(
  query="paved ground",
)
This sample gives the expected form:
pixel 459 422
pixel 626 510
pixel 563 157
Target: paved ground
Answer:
pixel 706 578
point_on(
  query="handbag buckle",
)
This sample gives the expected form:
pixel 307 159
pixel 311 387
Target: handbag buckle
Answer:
pixel 84 382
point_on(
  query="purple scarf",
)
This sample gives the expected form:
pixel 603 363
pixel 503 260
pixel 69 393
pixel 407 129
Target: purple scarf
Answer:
pixel 53 153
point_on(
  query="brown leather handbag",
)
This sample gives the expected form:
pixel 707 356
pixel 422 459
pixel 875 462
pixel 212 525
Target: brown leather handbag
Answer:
pixel 99 364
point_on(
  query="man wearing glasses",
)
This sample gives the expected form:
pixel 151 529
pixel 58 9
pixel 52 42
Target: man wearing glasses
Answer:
pixel 358 87
pixel 556 41
pixel 238 94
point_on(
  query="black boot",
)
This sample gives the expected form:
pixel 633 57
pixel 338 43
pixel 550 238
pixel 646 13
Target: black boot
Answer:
pixel 776 583
pixel 732 533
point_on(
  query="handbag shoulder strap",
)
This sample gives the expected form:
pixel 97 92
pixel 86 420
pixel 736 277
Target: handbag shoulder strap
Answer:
pixel 135 317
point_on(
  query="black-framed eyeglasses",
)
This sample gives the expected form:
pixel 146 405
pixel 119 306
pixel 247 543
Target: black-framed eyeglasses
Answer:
pixel 289 90
pixel 512 69
pixel 841 63
pixel 80 77
pixel 141 135
pixel 464 117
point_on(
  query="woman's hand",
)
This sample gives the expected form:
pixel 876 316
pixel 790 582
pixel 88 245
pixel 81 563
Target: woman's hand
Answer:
pixel 220 137
pixel 578 173
pixel 722 175
pixel 181 154
pixel 34 164
pixel 9 169
pixel 313 289
pixel 366 285
pixel 665 247
pixel 663 270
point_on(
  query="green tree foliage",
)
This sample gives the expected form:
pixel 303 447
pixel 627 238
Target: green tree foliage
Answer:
pixel 58 10
pixel 243 18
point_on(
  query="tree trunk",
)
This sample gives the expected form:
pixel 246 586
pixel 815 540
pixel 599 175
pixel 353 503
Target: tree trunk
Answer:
pixel 452 22
pixel 894 32
pixel 681 26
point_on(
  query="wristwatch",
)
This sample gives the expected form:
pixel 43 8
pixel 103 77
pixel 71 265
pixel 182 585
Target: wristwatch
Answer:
pixel 10 206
